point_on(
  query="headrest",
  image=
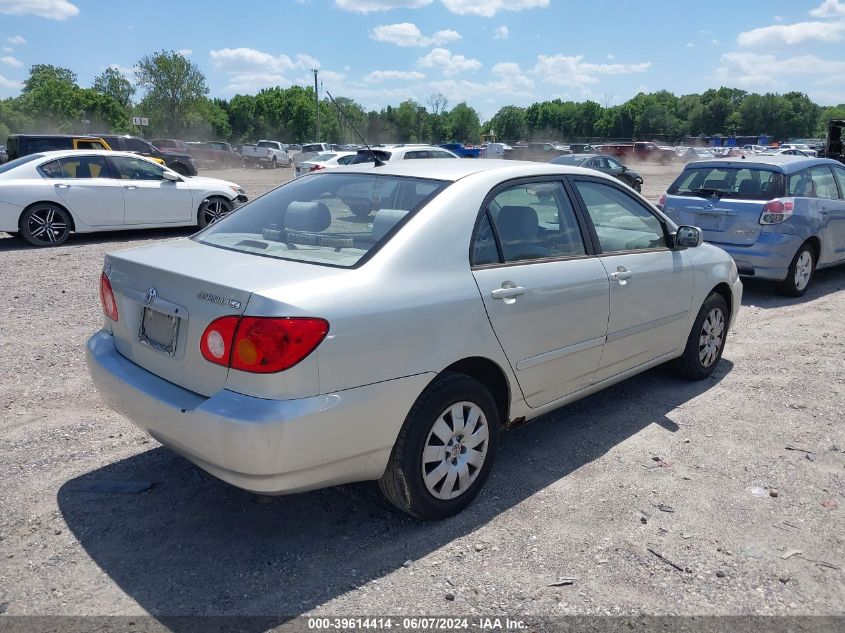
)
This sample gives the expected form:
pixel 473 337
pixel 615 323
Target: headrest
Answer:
pixel 307 216
pixel 517 223
pixel 385 220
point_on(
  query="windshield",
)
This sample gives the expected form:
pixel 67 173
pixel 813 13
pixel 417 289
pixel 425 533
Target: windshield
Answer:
pixel 268 144
pixel 332 219
pixel 366 156
pixel 18 162
pixel 727 182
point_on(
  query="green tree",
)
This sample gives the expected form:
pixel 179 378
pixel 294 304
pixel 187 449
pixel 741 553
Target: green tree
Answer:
pixel 175 88
pixel 113 83
pixel 508 124
pixel 45 74
pixel 464 124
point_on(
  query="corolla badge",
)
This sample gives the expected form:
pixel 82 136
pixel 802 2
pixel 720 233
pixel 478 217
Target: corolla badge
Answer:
pixel 206 296
pixel 150 296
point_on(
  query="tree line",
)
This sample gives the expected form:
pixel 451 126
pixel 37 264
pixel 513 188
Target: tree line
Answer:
pixel 174 97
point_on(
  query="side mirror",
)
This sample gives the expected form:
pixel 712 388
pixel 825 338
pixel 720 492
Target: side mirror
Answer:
pixel 688 237
pixel 624 168
pixel 169 175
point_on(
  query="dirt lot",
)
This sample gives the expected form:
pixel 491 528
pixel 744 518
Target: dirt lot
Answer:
pixel 598 491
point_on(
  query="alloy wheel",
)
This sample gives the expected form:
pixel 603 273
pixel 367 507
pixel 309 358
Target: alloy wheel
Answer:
pixel 803 270
pixel 47 226
pixel 214 210
pixel 711 337
pixel 455 450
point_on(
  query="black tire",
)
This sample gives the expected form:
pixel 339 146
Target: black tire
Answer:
pixel 799 276
pixel 403 482
pixel 213 209
pixel 45 224
pixel 705 343
pixel 274 164
pixel 637 186
pixel 180 169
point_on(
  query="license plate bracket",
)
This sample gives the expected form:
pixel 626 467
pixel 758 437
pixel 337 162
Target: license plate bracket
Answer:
pixel 159 331
pixel 709 222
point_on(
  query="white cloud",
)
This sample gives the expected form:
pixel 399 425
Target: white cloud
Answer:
pixel 447 62
pixel 9 84
pixel 17 40
pixel 484 8
pixel 489 8
pixel 184 52
pixel 714 41
pixel 571 70
pixel 829 9
pixel 407 34
pixel 793 33
pixel 50 9
pixel 611 56
pixel 11 61
pixel 690 45
pixel 8 49
pixel 777 18
pixel 378 76
pixel 755 70
pixel 250 70
pixel 126 71
pixel 371 6
pixel 501 33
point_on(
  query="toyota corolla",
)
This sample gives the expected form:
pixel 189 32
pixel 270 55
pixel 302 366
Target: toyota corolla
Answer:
pixel 296 344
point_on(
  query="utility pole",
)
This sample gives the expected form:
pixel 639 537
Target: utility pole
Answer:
pixel 317 104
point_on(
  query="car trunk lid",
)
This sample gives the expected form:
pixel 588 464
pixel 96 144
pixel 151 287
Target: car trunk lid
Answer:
pixel 167 295
pixel 723 220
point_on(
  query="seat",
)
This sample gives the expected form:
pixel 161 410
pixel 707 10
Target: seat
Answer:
pixel 311 217
pixel 83 170
pixel 518 227
pixel 748 188
pixel 385 220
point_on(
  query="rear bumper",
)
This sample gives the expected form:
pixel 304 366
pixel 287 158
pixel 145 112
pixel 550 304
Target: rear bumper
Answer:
pixel 768 258
pixel 266 446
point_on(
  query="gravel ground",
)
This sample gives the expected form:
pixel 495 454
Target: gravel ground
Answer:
pixel 657 496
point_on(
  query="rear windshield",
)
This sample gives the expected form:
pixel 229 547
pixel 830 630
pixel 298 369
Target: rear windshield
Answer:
pixel 312 148
pixel 332 219
pixel 272 144
pixel 366 156
pixel 729 182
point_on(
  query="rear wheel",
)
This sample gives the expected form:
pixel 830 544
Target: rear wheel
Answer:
pixel 445 449
pixel 213 209
pixel 706 340
pixel 274 163
pixel 45 224
pixel 180 169
pixel 800 273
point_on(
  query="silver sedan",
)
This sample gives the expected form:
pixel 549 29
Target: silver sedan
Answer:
pixel 388 322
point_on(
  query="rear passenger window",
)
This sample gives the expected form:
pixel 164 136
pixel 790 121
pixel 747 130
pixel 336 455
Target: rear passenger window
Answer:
pixel 484 249
pixel 622 223
pixel 839 172
pixel 417 154
pixel 51 169
pixel 84 167
pixel 535 221
pixel 823 182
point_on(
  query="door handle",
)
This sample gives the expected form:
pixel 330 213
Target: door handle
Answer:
pixel 508 293
pixel 622 275
pixel 61 185
pixel 130 186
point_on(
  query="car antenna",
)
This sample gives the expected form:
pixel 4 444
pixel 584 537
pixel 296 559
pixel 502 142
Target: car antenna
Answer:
pixel 379 162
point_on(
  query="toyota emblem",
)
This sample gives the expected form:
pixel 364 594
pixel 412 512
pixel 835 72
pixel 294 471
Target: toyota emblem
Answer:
pixel 150 295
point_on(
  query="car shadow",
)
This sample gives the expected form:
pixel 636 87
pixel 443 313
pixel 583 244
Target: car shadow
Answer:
pixel 764 294
pixel 300 551
pixel 12 243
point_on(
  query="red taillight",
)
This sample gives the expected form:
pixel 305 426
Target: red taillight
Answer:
pixel 107 298
pixel 261 345
pixel 661 200
pixel 777 211
pixel 316 168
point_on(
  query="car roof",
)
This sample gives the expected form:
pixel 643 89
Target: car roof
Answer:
pixel 452 170
pixel 783 162
pixel 63 153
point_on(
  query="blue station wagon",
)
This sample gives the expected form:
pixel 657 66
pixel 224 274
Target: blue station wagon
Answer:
pixel 779 217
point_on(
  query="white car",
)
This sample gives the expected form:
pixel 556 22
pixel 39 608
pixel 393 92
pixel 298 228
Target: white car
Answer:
pixel 46 196
pixel 326 160
pixel 388 153
pixel 802 147
pixel 290 346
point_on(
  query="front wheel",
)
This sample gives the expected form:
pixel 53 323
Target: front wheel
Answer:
pixel 800 273
pixel 706 340
pixel 637 186
pixel 445 449
pixel 45 224
pixel 213 209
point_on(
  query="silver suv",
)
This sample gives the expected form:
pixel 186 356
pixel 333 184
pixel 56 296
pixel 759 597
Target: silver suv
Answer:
pixel 779 217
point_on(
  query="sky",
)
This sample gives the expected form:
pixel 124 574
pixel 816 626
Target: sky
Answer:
pixel 489 53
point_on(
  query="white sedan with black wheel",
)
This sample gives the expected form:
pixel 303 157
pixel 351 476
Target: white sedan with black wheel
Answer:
pixel 45 197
